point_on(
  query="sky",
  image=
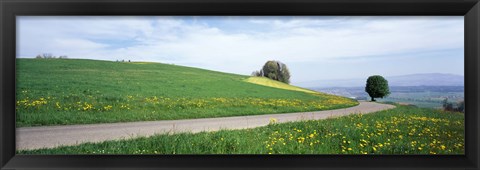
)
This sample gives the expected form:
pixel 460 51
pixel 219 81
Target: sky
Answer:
pixel 312 47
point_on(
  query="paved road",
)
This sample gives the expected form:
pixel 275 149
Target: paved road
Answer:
pixel 53 136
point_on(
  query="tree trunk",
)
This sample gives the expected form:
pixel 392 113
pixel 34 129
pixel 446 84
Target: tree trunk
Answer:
pixel 373 99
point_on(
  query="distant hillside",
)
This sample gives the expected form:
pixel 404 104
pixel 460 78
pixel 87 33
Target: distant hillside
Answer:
pixel 433 79
pixel 430 79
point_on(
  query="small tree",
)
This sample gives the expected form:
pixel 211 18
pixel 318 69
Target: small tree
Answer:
pixel 377 87
pixel 447 106
pixel 256 73
pixel 47 55
pixel 461 106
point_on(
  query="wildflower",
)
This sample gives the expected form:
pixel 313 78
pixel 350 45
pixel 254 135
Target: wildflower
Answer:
pixel 300 139
pixel 273 120
pixel 108 107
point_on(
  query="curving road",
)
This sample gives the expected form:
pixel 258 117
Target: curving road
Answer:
pixel 54 136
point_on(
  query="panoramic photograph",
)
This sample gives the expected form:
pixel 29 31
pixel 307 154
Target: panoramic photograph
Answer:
pixel 161 85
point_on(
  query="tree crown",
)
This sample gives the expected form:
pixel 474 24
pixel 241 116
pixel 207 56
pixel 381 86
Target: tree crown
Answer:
pixel 275 70
pixel 377 87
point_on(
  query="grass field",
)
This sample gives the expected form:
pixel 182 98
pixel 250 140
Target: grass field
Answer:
pixel 267 82
pixel 73 91
pixel 425 99
pixel 403 130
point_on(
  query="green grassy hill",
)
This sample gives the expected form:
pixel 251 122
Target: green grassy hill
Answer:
pixel 73 91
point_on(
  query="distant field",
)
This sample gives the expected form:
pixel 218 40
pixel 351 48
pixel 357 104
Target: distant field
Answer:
pixel 421 96
pixel 417 102
pixel 71 91
pixel 403 130
pixel 427 99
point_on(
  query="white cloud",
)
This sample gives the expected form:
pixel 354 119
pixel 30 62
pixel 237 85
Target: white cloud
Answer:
pixel 211 43
pixel 79 44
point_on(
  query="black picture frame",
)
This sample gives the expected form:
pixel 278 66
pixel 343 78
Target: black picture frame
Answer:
pixel 9 9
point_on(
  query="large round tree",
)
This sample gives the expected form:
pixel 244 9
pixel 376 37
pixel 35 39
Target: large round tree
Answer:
pixel 377 87
pixel 276 70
